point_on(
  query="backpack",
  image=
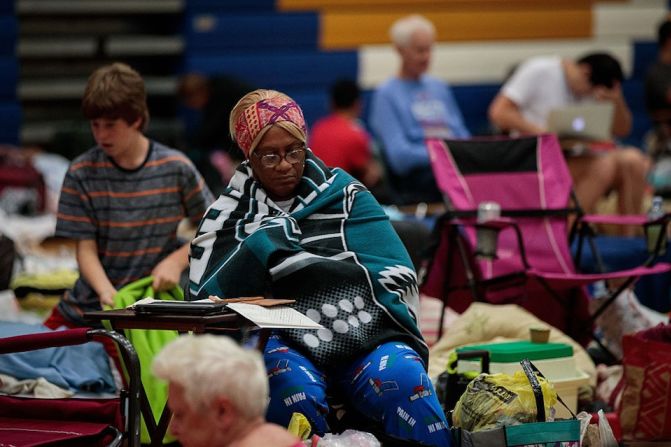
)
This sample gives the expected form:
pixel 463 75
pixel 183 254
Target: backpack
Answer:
pixel 22 187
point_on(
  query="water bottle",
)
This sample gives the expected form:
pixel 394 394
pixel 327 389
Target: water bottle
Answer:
pixel 652 231
pixel 487 238
pixel 599 290
pixel 488 211
pixel 656 209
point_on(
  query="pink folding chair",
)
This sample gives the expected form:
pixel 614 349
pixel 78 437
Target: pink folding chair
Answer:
pixel 532 266
pixel 32 422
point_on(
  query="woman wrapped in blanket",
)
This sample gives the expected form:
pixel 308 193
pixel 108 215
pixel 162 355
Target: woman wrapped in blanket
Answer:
pixel 289 227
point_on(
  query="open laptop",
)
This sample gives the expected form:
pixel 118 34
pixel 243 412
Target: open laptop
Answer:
pixel 590 121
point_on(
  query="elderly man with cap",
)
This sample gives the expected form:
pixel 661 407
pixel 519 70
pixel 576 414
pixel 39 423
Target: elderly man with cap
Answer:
pixel 289 227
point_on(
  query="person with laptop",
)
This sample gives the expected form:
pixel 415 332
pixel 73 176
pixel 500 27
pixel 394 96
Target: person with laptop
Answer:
pixel 543 84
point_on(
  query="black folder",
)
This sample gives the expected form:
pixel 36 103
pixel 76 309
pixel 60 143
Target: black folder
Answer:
pixel 160 307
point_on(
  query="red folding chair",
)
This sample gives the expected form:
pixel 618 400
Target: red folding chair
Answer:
pixel 532 266
pixel 26 421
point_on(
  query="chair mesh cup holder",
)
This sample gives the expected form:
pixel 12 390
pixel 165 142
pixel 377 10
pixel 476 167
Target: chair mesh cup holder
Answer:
pixel 656 236
pixel 487 241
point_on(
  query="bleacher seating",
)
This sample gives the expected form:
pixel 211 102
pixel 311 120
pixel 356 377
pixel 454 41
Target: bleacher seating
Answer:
pixel 10 117
pixel 645 54
pixel 285 69
pixel 218 6
pixel 634 92
pixel 246 31
pixel 301 46
pixel 473 101
pixel 267 49
pixel 8 33
pixel 10 110
pixel 351 23
pixel 62 42
pixel 9 75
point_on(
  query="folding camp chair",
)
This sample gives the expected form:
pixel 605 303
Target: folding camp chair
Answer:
pixel 114 421
pixel 532 266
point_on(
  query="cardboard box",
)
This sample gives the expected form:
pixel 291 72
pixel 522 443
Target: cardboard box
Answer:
pixel 567 389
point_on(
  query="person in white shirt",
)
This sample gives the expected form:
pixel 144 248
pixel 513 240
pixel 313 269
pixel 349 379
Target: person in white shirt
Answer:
pixel 541 84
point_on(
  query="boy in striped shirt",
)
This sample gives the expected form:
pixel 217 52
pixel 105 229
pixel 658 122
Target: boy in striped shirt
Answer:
pixel 123 199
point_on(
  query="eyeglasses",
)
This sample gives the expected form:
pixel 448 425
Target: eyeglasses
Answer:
pixel 293 156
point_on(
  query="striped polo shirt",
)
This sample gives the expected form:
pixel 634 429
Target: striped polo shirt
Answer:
pixel 133 215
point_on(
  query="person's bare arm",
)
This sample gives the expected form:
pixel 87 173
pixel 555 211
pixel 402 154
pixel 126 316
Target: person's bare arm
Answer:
pixel 167 272
pixel 622 119
pixel 92 271
pixel 372 173
pixel 506 115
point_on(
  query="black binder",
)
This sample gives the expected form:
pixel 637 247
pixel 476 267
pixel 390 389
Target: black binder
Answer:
pixel 161 307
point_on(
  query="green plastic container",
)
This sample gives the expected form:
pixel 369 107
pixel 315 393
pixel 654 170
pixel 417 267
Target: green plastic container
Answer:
pixel 517 350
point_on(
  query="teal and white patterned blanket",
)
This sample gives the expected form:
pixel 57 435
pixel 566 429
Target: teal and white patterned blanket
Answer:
pixel 335 252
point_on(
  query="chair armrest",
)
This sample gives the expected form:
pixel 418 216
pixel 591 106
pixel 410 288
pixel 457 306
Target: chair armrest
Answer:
pixel 498 223
pixel 41 340
pixel 616 219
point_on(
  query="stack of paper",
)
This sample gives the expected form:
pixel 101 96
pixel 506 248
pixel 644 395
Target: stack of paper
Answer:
pixel 274 317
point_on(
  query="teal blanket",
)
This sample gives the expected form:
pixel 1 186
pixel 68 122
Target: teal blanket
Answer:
pixel 334 251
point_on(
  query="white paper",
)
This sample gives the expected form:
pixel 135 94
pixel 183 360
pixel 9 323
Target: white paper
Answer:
pixel 145 300
pixel 274 317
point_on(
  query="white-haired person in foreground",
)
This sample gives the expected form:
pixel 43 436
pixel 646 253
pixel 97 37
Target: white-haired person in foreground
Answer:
pixel 218 393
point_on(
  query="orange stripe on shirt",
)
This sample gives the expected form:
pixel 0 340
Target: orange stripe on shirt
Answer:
pixel 147 192
pixel 91 164
pixel 73 218
pixel 165 160
pixel 139 223
pixel 107 164
pixel 127 254
pixel 74 192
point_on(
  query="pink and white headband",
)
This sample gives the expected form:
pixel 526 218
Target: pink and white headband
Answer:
pixel 253 123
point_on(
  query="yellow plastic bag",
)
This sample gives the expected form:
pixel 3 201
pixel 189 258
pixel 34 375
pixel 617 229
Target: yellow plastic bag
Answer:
pixel 494 400
pixel 299 426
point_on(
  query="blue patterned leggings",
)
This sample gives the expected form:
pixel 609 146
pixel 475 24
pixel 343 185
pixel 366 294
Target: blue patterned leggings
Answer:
pixel 388 385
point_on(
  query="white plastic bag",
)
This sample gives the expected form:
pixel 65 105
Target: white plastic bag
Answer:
pixel 349 438
pixel 605 432
pixel 625 315
pixel 584 419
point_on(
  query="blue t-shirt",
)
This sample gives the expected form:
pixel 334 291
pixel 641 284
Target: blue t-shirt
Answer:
pixel 406 112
